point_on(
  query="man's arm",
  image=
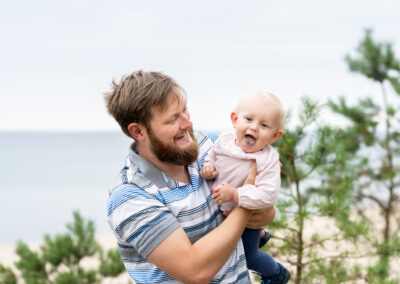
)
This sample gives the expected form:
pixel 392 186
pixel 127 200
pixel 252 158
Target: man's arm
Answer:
pixel 198 263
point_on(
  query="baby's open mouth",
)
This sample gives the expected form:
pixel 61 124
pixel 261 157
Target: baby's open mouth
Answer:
pixel 249 140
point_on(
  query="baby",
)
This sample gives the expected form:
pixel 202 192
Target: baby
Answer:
pixel 258 121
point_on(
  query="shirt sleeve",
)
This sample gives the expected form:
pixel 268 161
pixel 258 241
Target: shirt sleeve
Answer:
pixel 139 218
pixel 211 156
pixel 265 190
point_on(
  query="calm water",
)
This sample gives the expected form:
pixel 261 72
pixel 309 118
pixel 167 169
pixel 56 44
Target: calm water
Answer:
pixel 44 177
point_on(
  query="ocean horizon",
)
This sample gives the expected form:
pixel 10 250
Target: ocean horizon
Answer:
pixel 45 176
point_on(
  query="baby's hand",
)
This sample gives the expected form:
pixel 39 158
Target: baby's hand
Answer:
pixel 209 172
pixel 227 211
pixel 223 193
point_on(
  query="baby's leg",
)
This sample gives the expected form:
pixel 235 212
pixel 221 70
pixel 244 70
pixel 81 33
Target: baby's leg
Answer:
pixel 258 261
pixel 264 237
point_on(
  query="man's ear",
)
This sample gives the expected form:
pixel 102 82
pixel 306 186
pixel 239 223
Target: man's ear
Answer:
pixel 234 118
pixel 277 135
pixel 137 131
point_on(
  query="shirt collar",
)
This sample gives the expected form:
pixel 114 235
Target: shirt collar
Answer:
pixel 149 171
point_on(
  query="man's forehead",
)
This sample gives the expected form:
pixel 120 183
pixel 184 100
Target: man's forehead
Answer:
pixel 174 101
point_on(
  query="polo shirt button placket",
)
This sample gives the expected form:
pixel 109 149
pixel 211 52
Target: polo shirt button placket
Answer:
pixel 171 184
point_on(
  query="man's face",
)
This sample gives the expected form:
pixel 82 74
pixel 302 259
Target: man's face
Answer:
pixel 171 135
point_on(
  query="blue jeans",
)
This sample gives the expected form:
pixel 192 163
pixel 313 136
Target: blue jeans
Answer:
pixel 258 261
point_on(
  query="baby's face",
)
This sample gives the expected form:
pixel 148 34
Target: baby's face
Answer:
pixel 256 123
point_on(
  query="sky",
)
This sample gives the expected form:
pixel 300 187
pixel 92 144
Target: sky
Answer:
pixel 58 58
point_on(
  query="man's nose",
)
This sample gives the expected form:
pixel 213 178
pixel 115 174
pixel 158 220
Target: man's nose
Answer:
pixel 185 121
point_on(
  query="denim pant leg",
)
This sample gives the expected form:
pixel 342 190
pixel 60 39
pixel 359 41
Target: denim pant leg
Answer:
pixel 258 261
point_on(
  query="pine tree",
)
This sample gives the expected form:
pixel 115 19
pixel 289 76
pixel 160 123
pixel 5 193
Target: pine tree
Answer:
pixel 59 259
pixel 315 183
pixel 7 276
pixel 373 138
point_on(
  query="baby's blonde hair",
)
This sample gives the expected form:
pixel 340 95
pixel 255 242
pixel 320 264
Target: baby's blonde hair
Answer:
pixel 274 98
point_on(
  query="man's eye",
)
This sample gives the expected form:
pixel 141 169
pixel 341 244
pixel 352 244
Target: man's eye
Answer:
pixel 173 120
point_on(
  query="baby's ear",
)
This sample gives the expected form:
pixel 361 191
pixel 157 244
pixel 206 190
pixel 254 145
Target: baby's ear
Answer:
pixel 277 135
pixel 234 118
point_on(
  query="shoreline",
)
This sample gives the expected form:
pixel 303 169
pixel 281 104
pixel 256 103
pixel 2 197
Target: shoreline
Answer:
pixel 316 224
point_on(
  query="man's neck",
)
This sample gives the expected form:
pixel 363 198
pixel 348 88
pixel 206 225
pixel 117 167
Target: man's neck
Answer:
pixel 176 172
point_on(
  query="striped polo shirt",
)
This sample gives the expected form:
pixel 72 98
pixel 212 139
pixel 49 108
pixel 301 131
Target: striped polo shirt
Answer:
pixel 146 206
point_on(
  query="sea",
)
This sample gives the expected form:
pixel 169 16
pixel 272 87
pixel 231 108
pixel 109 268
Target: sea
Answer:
pixel 44 177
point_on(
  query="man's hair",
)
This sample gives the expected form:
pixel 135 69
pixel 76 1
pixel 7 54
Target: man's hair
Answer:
pixel 132 99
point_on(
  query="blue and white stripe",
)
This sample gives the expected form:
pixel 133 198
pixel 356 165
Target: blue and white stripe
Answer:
pixel 146 206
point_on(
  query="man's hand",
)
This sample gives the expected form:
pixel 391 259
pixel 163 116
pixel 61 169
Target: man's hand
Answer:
pixel 224 193
pixel 251 177
pixel 260 218
pixel 209 172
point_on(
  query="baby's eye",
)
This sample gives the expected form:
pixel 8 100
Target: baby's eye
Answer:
pixel 248 118
pixel 264 125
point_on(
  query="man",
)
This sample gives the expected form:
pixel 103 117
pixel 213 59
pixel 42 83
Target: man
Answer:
pixel 167 226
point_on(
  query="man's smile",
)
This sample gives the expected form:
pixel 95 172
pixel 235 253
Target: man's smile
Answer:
pixel 183 137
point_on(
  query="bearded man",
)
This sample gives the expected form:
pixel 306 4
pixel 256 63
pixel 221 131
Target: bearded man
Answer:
pixel 168 228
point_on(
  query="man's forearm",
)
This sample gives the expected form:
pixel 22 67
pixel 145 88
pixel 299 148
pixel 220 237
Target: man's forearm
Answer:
pixel 198 263
pixel 217 246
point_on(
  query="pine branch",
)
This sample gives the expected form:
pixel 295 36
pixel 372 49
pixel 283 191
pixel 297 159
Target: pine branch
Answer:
pixel 320 242
pixel 291 229
pixel 373 198
pixel 365 217
pixel 304 176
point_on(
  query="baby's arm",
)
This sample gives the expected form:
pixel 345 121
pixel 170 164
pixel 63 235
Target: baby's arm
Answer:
pixel 224 192
pixel 265 190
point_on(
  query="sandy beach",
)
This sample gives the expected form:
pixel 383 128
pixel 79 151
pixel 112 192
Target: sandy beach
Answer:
pixel 324 226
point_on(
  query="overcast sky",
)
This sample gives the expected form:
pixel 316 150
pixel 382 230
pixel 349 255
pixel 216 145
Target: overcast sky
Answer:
pixel 57 58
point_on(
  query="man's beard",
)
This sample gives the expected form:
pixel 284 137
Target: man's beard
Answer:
pixel 171 153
